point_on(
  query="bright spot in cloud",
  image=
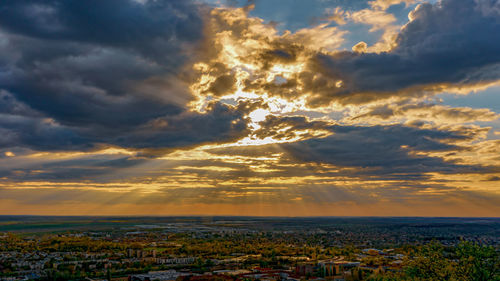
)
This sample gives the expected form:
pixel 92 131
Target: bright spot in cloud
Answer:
pixel 9 154
pixel 258 115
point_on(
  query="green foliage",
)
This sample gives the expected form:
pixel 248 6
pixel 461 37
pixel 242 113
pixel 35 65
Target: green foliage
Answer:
pixel 476 263
pixel 430 264
pixel 466 262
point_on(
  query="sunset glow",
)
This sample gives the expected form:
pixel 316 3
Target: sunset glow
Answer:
pixel 208 107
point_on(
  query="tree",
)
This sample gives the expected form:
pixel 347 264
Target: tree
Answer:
pixel 430 263
pixel 476 263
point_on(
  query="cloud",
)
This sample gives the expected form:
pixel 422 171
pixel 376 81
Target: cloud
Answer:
pixel 379 20
pixel 493 178
pixel 383 150
pixel 39 133
pixel 78 76
pixel 151 28
pixel 361 47
pixel 337 15
pixel 220 123
pixel 384 4
pixel 291 128
pixel 444 44
pixel 241 52
pixel 145 102
pixel 424 112
pixel 10 105
pixel 376 18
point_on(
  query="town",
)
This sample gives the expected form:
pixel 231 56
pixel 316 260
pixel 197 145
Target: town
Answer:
pixel 241 248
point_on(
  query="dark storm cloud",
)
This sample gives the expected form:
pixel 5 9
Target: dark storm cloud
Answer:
pixel 446 43
pixel 153 27
pixel 380 152
pixel 221 123
pixel 84 62
pixel 74 74
pixel 383 150
pixel 10 105
pixel 88 169
pixel 38 133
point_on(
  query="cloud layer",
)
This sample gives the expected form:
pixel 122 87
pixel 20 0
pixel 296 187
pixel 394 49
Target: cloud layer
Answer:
pixel 205 106
pixel 447 44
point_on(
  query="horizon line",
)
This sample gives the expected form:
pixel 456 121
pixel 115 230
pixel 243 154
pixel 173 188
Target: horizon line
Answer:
pixel 244 216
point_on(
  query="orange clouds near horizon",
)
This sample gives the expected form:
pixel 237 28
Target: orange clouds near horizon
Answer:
pixel 187 108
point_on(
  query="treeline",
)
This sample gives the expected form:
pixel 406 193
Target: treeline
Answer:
pixel 433 262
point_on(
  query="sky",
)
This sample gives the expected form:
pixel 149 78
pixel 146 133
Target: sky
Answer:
pixel 258 108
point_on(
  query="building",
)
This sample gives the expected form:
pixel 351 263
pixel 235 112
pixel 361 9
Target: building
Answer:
pixel 166 275
pixel 335 267
pixel 304 269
